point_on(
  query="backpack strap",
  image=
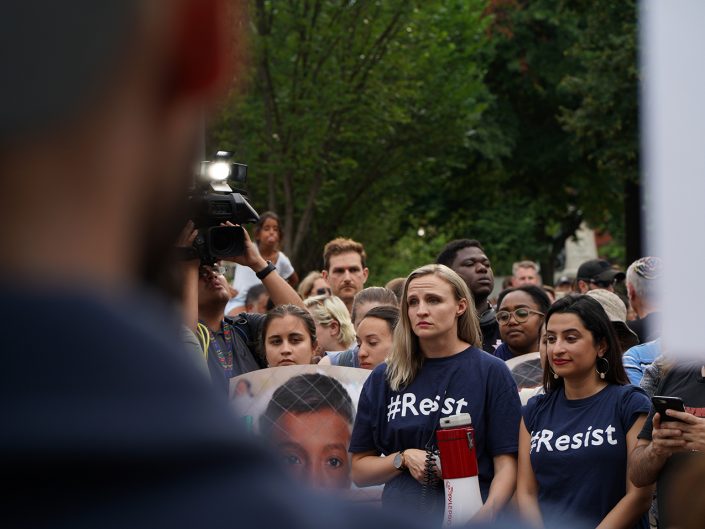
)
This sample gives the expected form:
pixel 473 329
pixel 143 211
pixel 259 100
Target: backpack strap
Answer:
pixel 242 327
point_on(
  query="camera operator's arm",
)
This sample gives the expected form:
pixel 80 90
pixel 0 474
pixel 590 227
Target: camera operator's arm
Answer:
pixel 280 292
pixel 190 279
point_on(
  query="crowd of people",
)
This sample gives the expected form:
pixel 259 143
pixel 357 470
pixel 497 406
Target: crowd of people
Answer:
pixel 584 445
pixel 114 408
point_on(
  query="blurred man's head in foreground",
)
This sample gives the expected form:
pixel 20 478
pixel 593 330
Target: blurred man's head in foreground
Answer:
pixel 100 127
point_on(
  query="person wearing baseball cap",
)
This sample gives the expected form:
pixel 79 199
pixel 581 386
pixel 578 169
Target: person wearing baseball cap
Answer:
pixel 597 273
pixel 617 313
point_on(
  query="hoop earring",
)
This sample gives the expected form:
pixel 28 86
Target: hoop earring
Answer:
pixel 606 365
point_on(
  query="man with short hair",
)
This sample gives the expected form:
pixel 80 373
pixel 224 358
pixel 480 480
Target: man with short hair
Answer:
pixel 642 276
pixel 597 273
pixel 526 273
pixel 257 300
pixel 468 259
pixel 563 286
pixel 345 269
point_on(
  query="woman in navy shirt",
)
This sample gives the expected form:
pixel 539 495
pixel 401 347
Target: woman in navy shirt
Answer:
pixel 574 440
pixel 435 370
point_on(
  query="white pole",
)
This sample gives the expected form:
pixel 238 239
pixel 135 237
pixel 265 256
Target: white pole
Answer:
pixel 673 111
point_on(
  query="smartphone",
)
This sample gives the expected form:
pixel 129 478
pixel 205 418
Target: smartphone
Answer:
pixel 662 403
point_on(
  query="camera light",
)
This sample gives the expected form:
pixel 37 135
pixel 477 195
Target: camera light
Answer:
pixel 219 171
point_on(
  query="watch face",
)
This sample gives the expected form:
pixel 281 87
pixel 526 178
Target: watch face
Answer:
pixel 397 461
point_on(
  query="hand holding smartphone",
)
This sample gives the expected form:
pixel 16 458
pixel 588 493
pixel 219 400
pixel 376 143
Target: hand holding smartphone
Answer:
pixel 662 403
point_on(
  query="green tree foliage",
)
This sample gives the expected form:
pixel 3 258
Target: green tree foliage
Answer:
pixel 463 118
pixel 351 106
pixel 604 123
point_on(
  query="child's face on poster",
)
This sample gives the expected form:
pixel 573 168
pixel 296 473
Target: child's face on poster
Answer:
pixel 315 447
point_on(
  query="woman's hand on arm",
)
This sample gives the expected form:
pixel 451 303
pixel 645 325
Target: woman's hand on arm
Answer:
pixel 527 487
pixel 637 500
pixel 415 461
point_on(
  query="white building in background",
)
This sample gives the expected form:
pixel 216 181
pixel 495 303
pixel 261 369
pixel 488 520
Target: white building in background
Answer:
pixel 578 249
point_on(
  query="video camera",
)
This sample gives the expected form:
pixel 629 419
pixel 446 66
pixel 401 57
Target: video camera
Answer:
pixel 214 202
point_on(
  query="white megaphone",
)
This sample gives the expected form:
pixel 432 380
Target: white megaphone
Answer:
pixel 456 443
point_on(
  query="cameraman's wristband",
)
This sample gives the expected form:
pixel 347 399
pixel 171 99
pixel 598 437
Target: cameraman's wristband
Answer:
pixel 265 271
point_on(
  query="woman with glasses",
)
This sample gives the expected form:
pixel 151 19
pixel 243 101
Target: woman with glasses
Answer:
pixel 574 440
pixel 520 313
pixel 435 370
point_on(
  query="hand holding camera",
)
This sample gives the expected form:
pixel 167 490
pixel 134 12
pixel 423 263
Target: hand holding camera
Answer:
pixel 249 257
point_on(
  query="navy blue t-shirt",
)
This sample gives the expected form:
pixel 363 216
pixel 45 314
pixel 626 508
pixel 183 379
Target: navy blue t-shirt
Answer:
pixel 579 450
pixel 503 352
pixel 471 382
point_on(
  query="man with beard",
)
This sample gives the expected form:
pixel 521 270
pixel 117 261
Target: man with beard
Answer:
pixel 467 258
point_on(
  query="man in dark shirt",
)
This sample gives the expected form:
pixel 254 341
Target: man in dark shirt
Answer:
pixel 468 259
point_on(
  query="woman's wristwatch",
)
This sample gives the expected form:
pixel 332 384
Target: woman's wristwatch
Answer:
pixel 399 462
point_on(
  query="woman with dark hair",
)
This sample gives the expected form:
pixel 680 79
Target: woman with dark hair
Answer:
pixel 309 420
pixel 288 336
pixel 374 335
pixel 268 232
pixel 520 314
pixel 574 440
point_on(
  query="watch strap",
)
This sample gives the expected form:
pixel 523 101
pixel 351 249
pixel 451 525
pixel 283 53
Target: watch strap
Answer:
pixel 265 271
